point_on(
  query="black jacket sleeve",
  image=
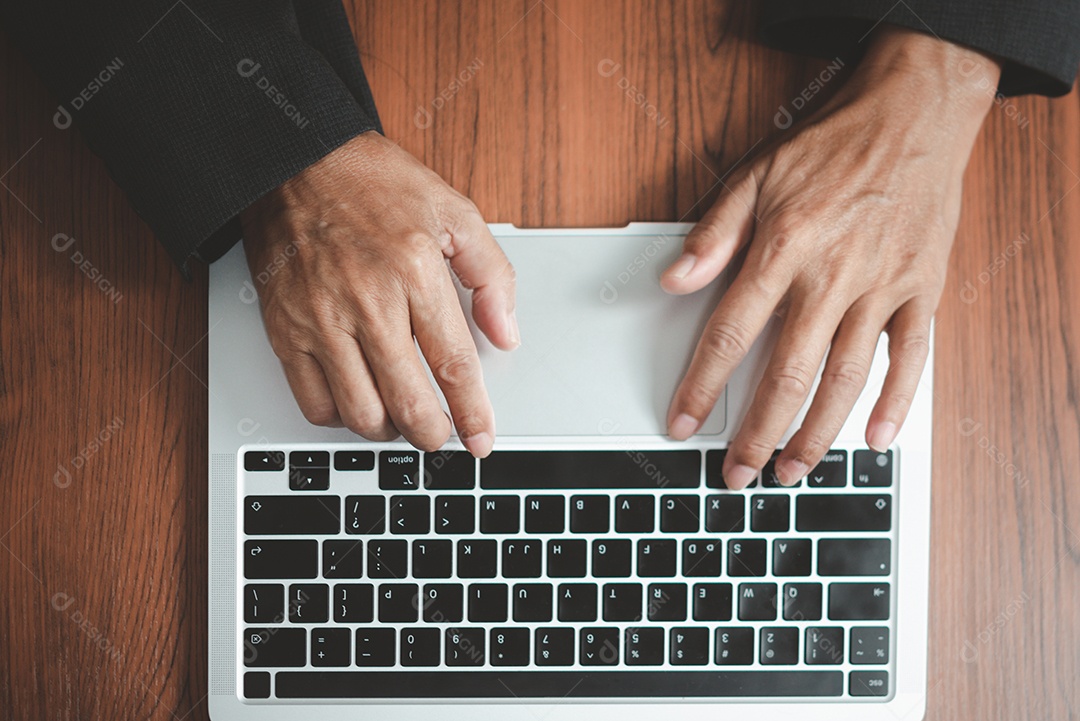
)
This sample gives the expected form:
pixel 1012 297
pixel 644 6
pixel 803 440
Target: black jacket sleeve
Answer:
pixel 1037 40
pixel 198 107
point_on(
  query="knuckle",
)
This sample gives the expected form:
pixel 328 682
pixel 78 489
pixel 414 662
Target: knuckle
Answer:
pixel 321 413
pixel 726 341
pixel 456 369
pixel 846 374
pixel 791 379
pixel 369 421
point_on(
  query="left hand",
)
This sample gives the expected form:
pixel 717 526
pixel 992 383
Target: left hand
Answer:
pixel 849 223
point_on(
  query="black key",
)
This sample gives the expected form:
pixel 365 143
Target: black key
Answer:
pixel 757 601
pixel 769 477
pixel 309 459
pixel 546 684
pixel 701 557
pixel 656 558
pixel 611 558
pixel 365 515
pixel 714 467
pixel 872 469
pixel 554 647
pixel 432 558
pixel 376 646
pixel 455 514
pixel 420 647
pixel 500 514
pixel 532 602
pixel 791 557
pixel 309 479
pixel 566 558
pixel 869 683
pixel 264 603
pixel 680 514
pixel 634 514
pixel 544 514
pixel 689 646
pixel 770 512
pixel 399 603
pixel 342 559
pixel 444 603
pixel 837 512
pixel 666 602
pixel 830 472
pixel 264 461
pixel 622 602
pixel 281 559
pixel 802 601
pixel 712 601
pixel 725 514
pixel 353 603
pixel 735 646
pixel 280 646
pixel 779 646
pixel 859 601
pixel 521 558
pixel 644 646
pixel 309 602
pixel 257 684
pixel 354 460
pixel 476 559
pixel 487 602
pixel 465 647
pixel 399 470
pixel 854 556
pixel 746 557
pixel 387 559
pixel 870 645
pixel 509 647
pixel 599 647
pixel 577 601
pixel 449 471
pixel 310 515
pixel 824 646
pixel 589 514
pixel 410 515
pixel 331 647
pixel 571 470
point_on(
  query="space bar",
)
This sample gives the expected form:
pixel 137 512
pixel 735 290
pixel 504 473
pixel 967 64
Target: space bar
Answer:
pixel 556 684
pixel 570 470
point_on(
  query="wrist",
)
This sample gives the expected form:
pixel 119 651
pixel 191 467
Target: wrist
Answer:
pixel 918 75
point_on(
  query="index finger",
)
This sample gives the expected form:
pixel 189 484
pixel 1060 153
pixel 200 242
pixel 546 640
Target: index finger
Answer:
pixel 737 321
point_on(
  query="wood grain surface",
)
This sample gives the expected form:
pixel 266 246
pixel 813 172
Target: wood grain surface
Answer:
pixel 524 107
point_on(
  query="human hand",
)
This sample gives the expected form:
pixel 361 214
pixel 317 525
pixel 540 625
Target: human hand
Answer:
pixel 849 222
pixel 358 244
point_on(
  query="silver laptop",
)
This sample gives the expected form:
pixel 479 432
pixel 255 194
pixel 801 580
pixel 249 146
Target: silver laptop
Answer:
pixel 590 568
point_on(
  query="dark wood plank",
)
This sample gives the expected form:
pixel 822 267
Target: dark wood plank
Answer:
pixel 104 575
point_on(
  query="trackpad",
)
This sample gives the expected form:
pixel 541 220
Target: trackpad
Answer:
pixel 603 347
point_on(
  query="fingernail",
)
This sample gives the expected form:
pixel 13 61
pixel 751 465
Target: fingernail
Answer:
pixel 515 332
pixel 881 436
pixel 682 267
pixel 479 444
pixel 683 427
pixel 739 477
pixel 790 471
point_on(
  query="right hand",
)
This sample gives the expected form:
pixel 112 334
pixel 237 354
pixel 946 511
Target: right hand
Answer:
pixel 354 250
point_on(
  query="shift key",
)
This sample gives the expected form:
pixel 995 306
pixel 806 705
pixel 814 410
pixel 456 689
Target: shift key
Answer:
pixel 292 515
pixel 281 559
pixel 843 512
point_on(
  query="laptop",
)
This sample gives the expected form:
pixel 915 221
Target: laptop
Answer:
pixel 590 567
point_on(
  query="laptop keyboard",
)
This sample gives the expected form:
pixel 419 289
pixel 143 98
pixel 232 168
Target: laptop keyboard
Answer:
pixel 562 574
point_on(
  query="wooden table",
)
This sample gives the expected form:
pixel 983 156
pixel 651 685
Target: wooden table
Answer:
pixel 103 558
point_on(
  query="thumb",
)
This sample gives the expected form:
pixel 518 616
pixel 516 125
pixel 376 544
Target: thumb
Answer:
pixel 713 242
pixel 484 269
